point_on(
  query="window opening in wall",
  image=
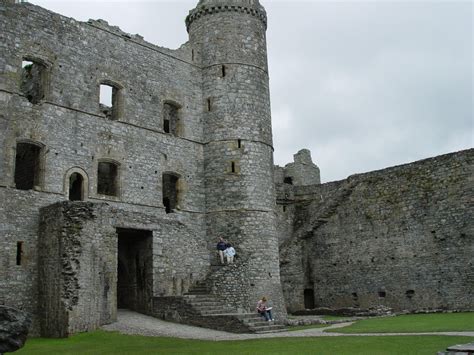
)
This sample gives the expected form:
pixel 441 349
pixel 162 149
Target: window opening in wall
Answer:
pixel 382 294
pixel 284 208
pixel 239 143
pixel 170 118
pixel 410 293
pixel 288 180
pixel 170 191
pixel 208 104
pixel 109 101
pixel 355 296
pixel 76 182
pixel 27 166
pixel 192 55
pixel 19 252
pixel 107 179
pixel 33 80
pixel 232 167
pixel 223 71
pixel 309 298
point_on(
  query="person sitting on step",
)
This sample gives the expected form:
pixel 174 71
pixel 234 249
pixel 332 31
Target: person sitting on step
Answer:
pixel 263 310
pixel 229 253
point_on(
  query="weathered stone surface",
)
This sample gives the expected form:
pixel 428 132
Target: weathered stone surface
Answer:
pixel 401 238
pixel 14 326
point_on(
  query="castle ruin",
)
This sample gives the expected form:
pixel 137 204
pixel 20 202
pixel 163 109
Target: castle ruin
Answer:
pixel 123 162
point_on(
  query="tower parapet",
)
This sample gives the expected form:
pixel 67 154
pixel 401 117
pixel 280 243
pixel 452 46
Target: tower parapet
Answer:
pixel 207 7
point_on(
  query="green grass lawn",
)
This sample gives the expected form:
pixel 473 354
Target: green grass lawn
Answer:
pixel 413 323
pixel 101 342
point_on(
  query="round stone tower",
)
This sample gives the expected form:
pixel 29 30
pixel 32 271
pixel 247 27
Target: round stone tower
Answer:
pixel 228 42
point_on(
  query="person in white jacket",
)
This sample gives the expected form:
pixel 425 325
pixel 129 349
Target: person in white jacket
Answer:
pixel 229 253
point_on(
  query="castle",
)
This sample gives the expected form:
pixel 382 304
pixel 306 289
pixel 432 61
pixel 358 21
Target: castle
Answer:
pixel 123 162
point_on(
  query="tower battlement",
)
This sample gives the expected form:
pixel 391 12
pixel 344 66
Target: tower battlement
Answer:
pixel 207 7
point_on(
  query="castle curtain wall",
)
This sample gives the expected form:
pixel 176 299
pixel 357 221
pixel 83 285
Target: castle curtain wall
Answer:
pixel 401 237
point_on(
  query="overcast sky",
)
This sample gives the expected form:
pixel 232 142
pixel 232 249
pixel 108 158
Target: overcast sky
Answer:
pixel 363 84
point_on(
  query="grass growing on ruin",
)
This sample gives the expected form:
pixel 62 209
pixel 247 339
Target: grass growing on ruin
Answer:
pixel 413 323
pixel 102 343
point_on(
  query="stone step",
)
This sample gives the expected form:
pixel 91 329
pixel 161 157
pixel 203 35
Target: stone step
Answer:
pixel 211 308
pixel 202 301
pixel 201 296
pixel 267 328
pixel 223 312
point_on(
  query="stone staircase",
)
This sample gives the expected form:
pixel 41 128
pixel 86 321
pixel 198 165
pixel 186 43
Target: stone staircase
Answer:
pixel 329 210
pixel 208 305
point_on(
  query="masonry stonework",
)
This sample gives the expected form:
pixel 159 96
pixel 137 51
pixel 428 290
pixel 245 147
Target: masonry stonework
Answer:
pixel 105 207
pixel 401 237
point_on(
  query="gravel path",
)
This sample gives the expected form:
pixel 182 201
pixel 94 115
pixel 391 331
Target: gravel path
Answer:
pixel 138 324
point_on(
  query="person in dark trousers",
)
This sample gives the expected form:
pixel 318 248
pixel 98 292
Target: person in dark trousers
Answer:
pixel 221 246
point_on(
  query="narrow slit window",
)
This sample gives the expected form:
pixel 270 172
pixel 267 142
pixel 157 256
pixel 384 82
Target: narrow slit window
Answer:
pixel 192 55
pixel 239 143
pixel 19 252
pixel 232 167
pixel 209 104
pixel 223 71
pixel 33 80
pixel 170 191
pixel 27 166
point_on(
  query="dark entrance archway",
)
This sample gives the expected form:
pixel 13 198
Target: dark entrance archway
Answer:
pixel 135 269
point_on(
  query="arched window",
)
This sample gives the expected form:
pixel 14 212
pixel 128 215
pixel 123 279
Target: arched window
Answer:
pixel 107 178
pixel 171 118
pixel 76 184
pixel 111 100
pixel 27 166
pixel 170 191
pixel 76 187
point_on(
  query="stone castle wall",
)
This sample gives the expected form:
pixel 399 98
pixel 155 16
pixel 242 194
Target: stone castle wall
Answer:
pixel 401 237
